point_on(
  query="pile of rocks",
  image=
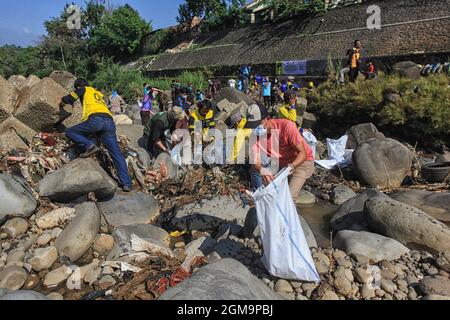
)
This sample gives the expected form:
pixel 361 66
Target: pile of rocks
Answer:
pixel 31 105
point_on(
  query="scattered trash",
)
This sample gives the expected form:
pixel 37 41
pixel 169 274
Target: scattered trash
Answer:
pixel 337 154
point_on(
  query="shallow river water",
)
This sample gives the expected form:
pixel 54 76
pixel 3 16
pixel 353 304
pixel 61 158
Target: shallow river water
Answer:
pixel 318 217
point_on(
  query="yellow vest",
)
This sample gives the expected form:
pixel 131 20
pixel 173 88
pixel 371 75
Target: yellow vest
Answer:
pixel 196 118
pixel 287 113
pixel 92 103
pixel 242 135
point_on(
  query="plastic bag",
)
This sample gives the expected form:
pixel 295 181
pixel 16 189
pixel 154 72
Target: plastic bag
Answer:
pixel 175 153
pixel 336 148
pixel 311 140
pixel 286 252
pixel 337 154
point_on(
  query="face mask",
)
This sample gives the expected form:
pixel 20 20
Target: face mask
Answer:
pixel 260 131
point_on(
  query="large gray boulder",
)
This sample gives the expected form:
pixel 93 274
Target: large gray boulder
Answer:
pixel 407 224
pixel 23 295
pixel 29 82
pixel 150 233
pixel 76 179
pixel 129 209
pixel 16 197
pixel 134 132
pixel 8 99
pixel 407 69
pixel 341 194
pixel 361 133
pixel 436 285
pixel 210 214
pixel 351 216
pixel 12 126
pixel 10 140
pixel 17 80
pixel 226 279
pixel 64 79
pixel 39 105
pixel 436 204
pixel 232 95
pixel 385 163
pixel 73 242
pixel 373 246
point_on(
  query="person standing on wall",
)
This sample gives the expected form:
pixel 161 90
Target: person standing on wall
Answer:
pixel 267 92
pixel 355 61
pixel 245 74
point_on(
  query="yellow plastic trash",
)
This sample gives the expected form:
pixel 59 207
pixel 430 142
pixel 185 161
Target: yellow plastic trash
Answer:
pixel 177 234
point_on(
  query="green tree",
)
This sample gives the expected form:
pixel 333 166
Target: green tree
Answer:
pixel 286 9
pixel 215 13
pixel 120 33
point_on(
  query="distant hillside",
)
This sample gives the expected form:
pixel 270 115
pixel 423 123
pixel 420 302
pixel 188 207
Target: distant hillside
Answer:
pixel 409 27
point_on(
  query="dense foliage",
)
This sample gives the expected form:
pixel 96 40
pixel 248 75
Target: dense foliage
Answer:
pixel 120 33
pixel 216 14
pixel 418 110
pixel 286 9
pixel 105 34
pixel 158 41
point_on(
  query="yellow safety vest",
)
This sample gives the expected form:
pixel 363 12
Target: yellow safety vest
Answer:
pixel 242 135
pixel 208 121
pixel 93 103
pixel 287 113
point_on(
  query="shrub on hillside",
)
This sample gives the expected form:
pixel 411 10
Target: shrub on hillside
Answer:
pixel 419 109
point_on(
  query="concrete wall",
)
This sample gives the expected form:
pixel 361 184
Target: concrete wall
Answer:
pixel 409 27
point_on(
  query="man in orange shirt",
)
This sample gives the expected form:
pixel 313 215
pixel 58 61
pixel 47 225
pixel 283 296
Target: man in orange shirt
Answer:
pixel 355 61
pixel 279 139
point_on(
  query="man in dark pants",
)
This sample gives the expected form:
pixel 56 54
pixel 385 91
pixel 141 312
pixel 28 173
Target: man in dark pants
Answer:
pixel 355 61
pixel 97 120
pixel 157 127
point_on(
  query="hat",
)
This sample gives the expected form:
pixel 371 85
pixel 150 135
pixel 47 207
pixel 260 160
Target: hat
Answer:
pixel 255 115
pixel 291 78
pixel 177 113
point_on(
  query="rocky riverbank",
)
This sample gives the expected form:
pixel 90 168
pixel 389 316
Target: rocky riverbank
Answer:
pixel 66 232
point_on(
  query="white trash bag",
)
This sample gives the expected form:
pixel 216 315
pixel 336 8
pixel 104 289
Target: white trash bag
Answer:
pixel 311 140
pixel 286 252
pixel 337 154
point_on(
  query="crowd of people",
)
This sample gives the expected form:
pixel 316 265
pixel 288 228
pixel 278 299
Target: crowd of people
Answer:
pixel 192 109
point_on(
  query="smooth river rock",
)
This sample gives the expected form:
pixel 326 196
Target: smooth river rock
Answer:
pixel 407 224
pixel 223 280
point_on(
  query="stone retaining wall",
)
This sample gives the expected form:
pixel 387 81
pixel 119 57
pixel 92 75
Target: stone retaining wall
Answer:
pixel 410 27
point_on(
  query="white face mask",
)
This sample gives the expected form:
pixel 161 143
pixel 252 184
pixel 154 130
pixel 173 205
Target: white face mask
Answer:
pixel 260 131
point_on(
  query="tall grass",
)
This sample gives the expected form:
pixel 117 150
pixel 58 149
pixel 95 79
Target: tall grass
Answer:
pixel 129 83
pixel 197 78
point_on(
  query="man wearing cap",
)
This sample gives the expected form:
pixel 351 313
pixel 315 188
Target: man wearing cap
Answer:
pixel 278 139
pixel 157 127
pixel 97 120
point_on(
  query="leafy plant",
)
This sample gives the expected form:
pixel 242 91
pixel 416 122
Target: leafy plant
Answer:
pixel 419 108
pixel 120 33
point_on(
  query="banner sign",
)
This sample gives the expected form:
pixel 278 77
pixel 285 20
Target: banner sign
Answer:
pixel 297 67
